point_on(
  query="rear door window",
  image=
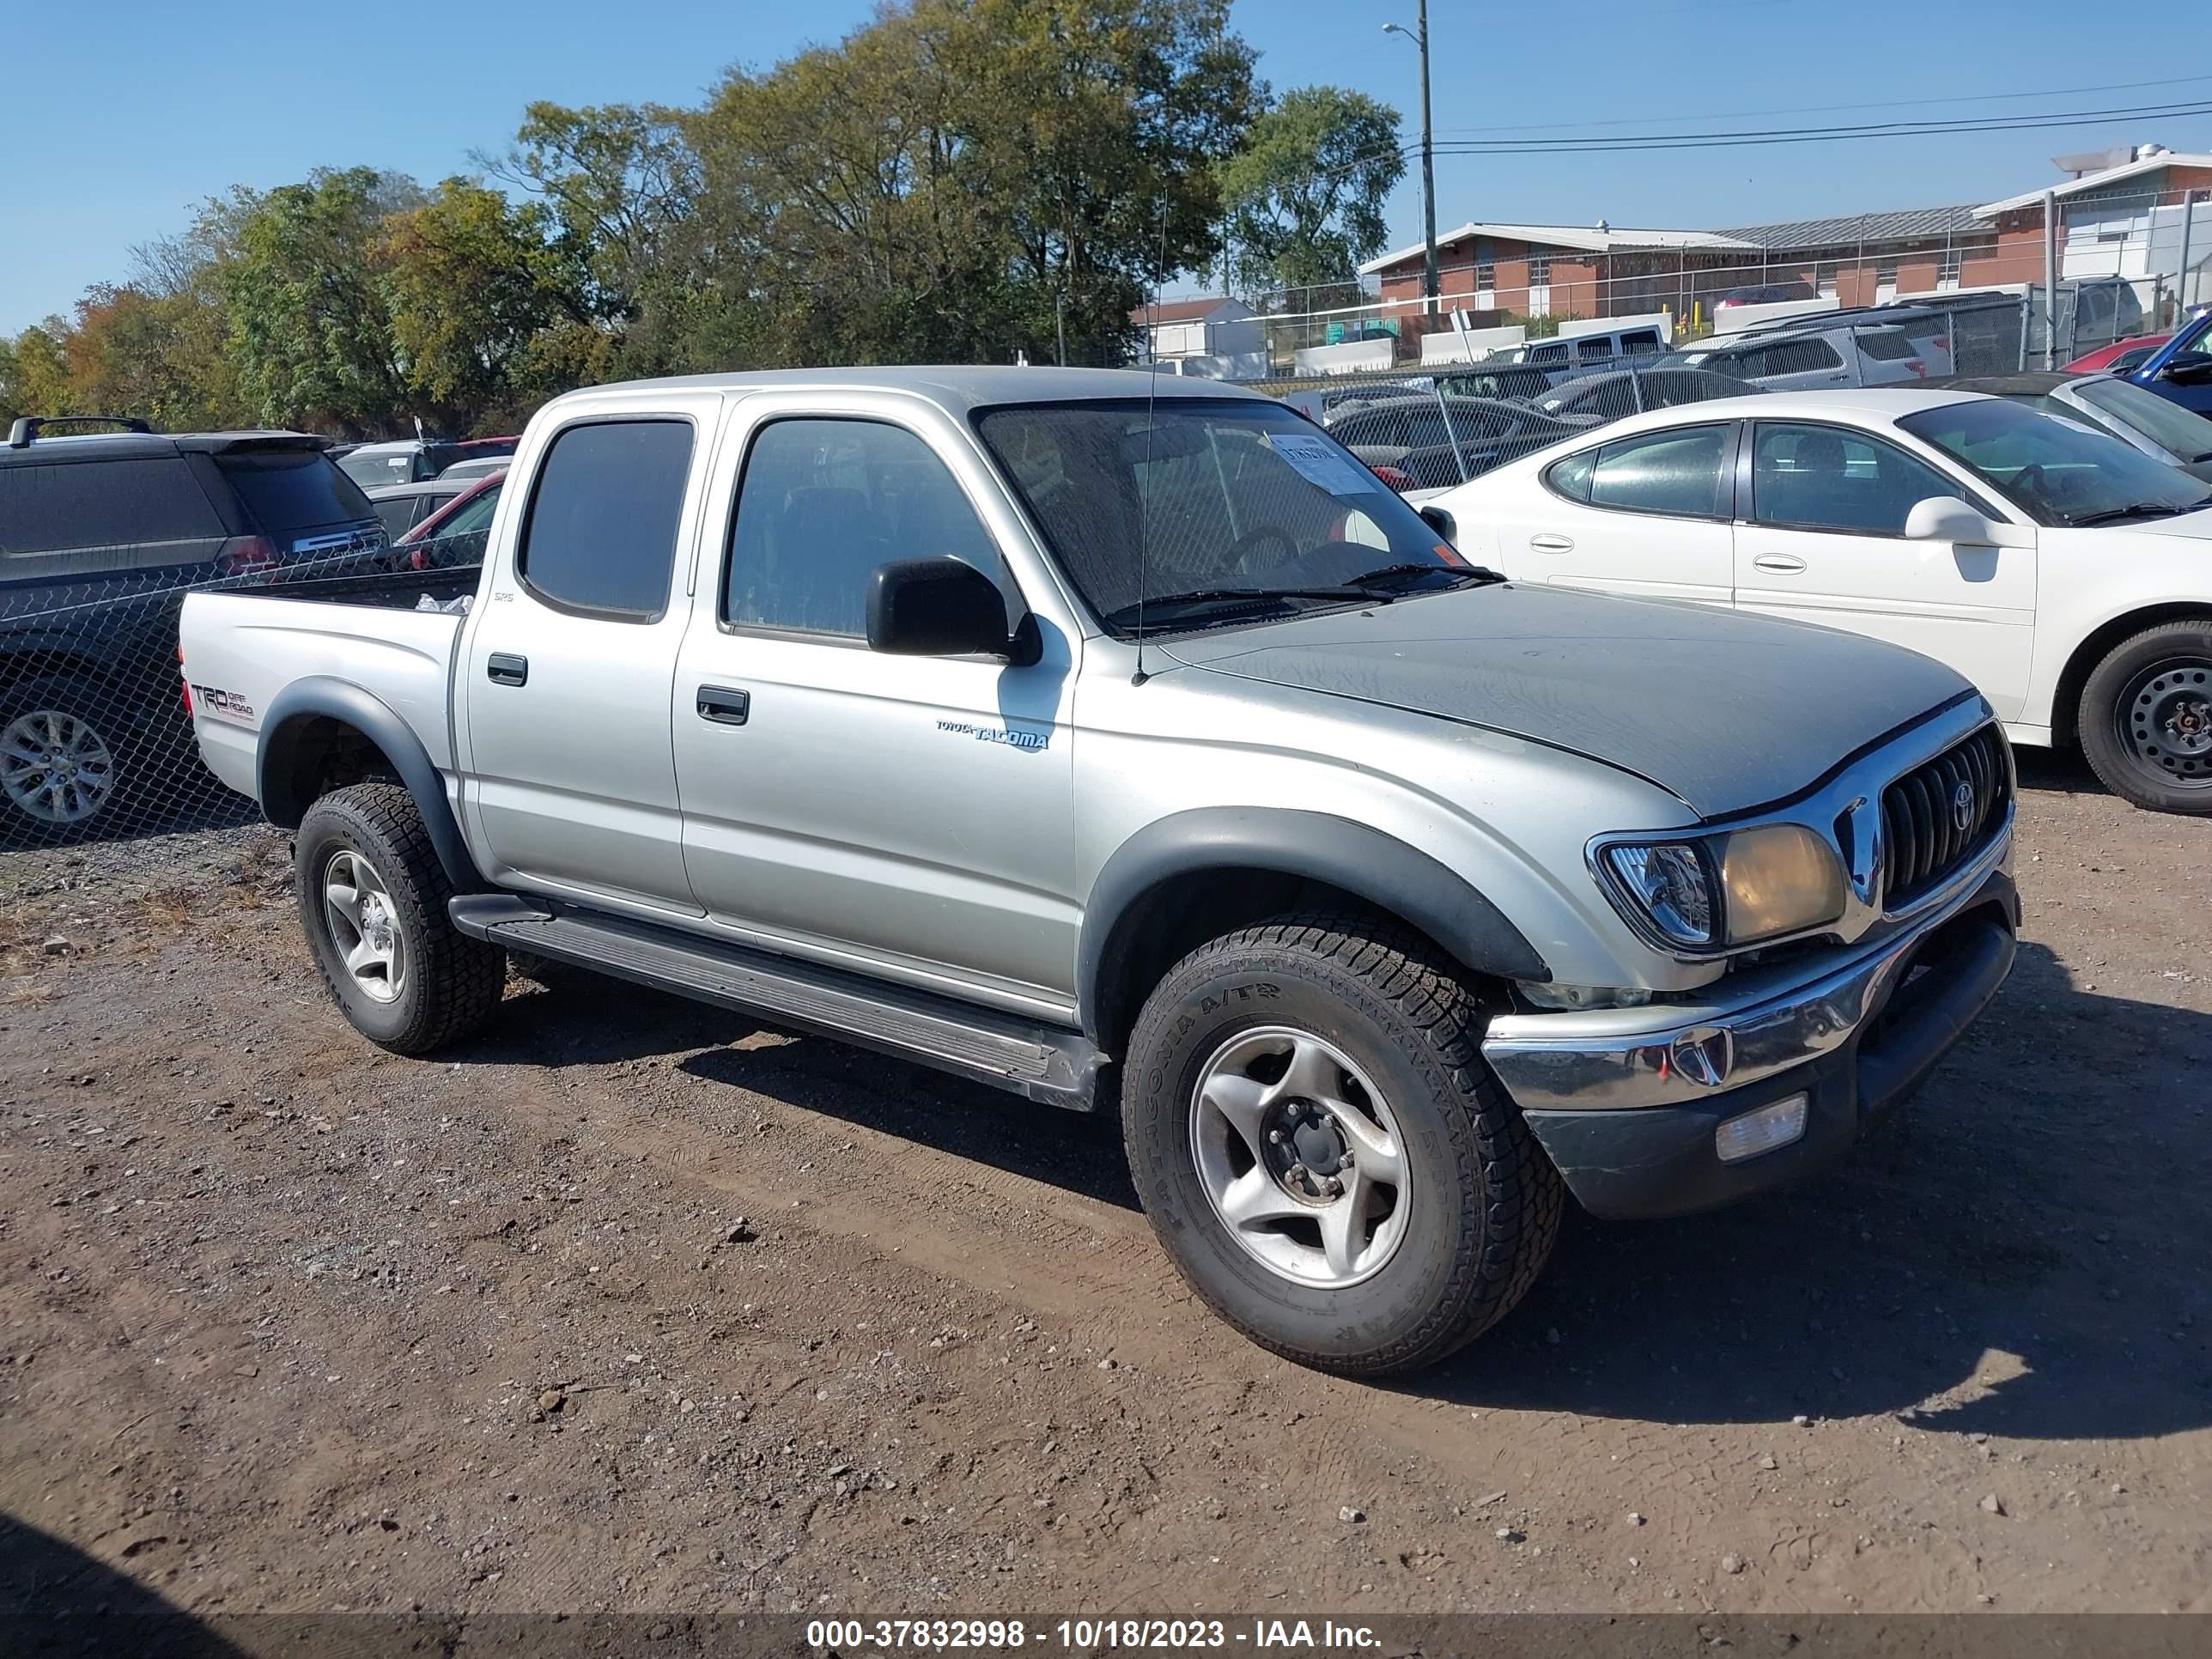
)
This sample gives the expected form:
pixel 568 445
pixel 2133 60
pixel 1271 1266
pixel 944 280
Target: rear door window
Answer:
pixel 600 534
pixel 122 502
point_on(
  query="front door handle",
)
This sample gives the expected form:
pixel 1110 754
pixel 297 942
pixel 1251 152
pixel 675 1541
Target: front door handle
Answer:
pixel 1550 543
pixel 1782 564
pixel 724 705
pixel 505 668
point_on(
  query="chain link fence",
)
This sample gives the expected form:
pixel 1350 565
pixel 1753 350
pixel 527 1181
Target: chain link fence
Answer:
pixel 95 728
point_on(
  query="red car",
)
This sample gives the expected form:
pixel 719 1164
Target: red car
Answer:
pixel 2108 359
pixel 454 534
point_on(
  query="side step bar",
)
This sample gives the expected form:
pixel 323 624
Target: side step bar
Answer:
pixel 1043 1062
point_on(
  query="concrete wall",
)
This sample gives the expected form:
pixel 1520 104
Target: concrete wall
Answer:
pixel 1451 346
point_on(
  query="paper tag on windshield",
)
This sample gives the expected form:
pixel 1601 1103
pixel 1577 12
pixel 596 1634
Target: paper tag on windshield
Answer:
pixel 1321 462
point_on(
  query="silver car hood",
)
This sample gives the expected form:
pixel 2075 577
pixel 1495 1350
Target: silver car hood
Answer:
pixel 1726 712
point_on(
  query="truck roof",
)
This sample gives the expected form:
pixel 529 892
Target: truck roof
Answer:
pixel 957 386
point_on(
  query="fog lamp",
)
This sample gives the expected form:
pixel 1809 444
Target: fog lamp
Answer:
pixel 1762 1131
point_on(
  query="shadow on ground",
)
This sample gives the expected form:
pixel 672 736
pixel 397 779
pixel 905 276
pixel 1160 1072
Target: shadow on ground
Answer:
pixel 56 1600
pixel 2020 1252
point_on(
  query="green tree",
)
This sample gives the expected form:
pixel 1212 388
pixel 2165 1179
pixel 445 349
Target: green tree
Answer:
pixel 1305 192
pixel 956 178
pixel 310 323
pixel 468 283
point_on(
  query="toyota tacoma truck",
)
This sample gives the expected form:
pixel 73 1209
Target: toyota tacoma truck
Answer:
pixel 1130 747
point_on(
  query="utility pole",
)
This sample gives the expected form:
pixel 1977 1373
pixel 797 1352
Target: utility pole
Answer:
pixel 1420 35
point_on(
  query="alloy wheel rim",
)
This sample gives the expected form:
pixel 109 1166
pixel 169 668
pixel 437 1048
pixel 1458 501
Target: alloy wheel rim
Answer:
pixel 1300 1157
pixel 55 767
pixel 364 924
pixel 2164 720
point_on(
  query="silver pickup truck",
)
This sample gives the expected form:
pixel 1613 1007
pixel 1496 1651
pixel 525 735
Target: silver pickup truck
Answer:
pixel 1129 747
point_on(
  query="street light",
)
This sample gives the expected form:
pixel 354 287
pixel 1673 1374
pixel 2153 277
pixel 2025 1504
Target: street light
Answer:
pixel 1419 34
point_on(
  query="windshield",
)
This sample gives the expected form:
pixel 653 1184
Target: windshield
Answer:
pixel 2166 423
pixel 2058 472
pixel 371 467
pixel 1242 500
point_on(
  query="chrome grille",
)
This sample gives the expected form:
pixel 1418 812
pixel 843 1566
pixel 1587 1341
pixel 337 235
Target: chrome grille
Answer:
pixel 1923 836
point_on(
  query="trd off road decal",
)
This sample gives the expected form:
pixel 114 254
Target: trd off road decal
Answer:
pixel 216 700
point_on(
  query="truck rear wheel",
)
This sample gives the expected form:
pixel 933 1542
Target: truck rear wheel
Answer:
pixel 372 901
pixel 1321 1150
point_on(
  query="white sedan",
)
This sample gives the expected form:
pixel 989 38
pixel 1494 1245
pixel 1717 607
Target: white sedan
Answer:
pixel 2067 575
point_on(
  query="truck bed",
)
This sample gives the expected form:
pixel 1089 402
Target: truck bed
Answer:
pixel 242 646
pixel 396 590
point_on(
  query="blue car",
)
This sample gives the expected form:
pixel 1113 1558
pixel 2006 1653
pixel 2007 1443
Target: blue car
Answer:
pixel 2181 370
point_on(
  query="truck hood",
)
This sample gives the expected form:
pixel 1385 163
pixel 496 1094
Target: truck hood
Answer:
pixel 1726 712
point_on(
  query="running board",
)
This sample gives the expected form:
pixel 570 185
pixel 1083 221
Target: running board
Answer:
pixel 1043 1062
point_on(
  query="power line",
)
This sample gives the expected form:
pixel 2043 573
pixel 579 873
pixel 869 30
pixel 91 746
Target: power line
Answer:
pixel 1815 135
pixel 1838 109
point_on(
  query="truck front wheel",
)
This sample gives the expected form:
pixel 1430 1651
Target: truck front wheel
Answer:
pixel 372 901
pixel 1321 1150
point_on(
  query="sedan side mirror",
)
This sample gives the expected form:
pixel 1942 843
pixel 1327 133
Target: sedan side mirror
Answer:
pixel 942 607
pixel 1440 519
pixel 1946 519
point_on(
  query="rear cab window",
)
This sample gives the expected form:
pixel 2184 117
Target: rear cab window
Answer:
pixel 599 537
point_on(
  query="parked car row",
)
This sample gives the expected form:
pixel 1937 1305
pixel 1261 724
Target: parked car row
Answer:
pixel 2060 568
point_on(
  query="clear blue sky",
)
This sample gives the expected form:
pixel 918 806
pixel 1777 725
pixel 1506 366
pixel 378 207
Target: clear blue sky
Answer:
pixel 123 116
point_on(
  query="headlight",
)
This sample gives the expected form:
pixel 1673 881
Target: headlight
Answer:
pixel 1671 884
pixel 1779 878
pixel 1731 889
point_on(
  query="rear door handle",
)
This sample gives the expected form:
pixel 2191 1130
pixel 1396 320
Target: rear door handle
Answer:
pixel 1549 543
pixel 1782 564
pixel 505 668
pixel 724 705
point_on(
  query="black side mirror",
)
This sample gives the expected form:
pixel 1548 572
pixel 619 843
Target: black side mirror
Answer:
pixel 939 608
pixel 1438 519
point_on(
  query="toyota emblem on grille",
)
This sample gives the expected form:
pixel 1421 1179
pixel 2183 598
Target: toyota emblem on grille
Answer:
pixel 1962 807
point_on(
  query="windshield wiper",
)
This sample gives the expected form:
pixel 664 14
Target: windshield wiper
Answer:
pixel 1230 598
pixel 2132 510
pixel 1462 575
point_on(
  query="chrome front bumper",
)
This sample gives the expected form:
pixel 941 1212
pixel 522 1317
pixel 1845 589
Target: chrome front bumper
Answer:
pixel 1772 1021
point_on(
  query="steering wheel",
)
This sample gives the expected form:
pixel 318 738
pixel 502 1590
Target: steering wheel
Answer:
pixel 1252 540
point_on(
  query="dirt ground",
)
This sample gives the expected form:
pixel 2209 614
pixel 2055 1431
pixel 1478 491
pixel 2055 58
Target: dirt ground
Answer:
pixel 286 1322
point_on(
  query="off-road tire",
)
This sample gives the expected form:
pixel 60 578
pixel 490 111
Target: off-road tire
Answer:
pixel 1487 1200
pixel 2107 729
pixel 453 981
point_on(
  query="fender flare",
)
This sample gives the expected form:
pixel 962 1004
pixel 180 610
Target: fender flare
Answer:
pixel 1361 859
pixel 321 697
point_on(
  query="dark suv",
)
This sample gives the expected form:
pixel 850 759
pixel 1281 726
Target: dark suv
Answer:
pixel 100 535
